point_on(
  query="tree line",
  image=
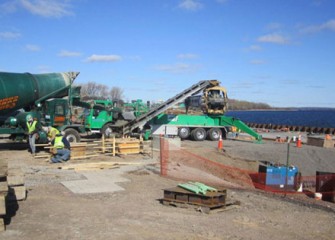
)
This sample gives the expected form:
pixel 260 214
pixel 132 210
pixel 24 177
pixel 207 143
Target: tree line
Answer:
pixel 234 104
pixel 93 90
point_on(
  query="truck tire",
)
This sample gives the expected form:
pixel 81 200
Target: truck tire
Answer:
pixel 72 135
pixel 214 134
pixel 183 132
pixel 107 130
pixel 198 134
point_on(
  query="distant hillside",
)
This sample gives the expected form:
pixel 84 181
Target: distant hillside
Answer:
pixel 244 105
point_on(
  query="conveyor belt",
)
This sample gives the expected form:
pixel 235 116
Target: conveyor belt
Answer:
pixel 143 119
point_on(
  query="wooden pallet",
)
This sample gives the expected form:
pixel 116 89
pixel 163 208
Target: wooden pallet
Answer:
pixel 180 197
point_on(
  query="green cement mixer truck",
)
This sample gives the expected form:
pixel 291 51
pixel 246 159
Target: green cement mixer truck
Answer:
pixel 51 98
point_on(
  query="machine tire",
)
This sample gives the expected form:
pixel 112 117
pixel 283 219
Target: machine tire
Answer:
pixel 198 134
pixel 214 134
pixel 184 132
pixel 107 130
pixel 72 135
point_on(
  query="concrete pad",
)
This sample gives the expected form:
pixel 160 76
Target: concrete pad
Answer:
pixel 99 181
pixel 87 186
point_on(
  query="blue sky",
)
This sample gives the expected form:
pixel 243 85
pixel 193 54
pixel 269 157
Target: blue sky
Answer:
pixel 280 52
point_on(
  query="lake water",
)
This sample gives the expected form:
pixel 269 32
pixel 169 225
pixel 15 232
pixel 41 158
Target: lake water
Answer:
pixel 309 118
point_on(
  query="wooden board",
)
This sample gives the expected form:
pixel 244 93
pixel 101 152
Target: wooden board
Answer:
pixel 95 165
pixel 17 193
pixel 2 205
pixel 15 180
pixel 2 225
pixel 3 168
pixel 3 188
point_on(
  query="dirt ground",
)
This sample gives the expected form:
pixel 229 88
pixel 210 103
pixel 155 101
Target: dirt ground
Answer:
pixel 51 211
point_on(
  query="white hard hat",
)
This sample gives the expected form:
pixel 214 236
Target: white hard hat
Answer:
pixel 29 118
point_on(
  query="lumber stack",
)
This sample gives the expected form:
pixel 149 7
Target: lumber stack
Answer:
pixel 82 150
pixel 128 146
pixel 106 146
pixel 16 183
pixel 3 192
pixel 119 146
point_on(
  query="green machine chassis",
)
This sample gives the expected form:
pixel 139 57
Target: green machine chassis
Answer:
pixel 199 127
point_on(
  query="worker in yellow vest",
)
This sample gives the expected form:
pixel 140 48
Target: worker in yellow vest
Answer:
pixel 51 132
pixel 61 149
pixel 33 127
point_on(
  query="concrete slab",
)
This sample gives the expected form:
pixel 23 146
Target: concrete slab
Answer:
pixel 100 181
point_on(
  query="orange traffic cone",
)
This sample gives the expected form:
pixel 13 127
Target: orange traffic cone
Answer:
pixel 220 144
pixel 299 142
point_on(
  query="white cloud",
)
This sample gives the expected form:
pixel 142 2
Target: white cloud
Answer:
pixel 187 56
pixel 32 48
pixel 65 53
pixel 47 8
pixel 273 38
pixel 9 35
pixel 178 68
pixel 103 58
pixel 191 5
pixel 329 25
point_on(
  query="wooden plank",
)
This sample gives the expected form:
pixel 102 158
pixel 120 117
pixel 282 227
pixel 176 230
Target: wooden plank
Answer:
pixel 129 151
pixel 2 205
pixel 84 156
pixel 96 165
pixel 17 193
pixel 15 180
pixel 3 188
pixel 2 225
pixel 42 145
pixel 3 170
pixel 43 156
pixel 93 168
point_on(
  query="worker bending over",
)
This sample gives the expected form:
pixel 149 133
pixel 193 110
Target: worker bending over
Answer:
pixel 61 149
pixel 51 132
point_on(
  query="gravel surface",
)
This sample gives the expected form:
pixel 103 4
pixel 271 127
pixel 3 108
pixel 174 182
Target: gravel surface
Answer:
pixel 51 211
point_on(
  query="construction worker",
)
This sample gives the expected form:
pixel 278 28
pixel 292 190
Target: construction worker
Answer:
pixel 61 149
pixel 51 132
pixel 33 128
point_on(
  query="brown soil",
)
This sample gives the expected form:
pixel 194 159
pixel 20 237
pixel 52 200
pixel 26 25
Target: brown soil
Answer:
pixel 51 211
